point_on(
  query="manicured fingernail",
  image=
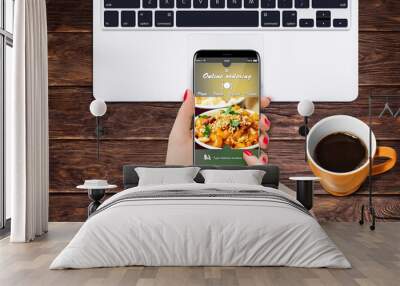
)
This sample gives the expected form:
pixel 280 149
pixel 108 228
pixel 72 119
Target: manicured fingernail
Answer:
pixel 267 122
pixel 264 159
pixel 266 140
pixel 248 153
pixel 185 95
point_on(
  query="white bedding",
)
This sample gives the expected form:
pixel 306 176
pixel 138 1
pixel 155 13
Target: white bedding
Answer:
pixel 200 231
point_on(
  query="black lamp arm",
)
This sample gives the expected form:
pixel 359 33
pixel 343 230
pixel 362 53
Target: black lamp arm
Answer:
pixel 99 132
pixel 303 131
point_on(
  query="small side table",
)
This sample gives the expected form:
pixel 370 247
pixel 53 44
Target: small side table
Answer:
pixel 95 194
pixel 305 190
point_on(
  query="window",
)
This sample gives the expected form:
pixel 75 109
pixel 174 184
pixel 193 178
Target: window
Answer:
pixel 6 62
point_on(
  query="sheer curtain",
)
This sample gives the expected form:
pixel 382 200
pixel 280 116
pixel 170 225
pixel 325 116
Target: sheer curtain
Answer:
pixel 27 149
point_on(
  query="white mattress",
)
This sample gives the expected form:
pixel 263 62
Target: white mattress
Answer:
pixel 200 231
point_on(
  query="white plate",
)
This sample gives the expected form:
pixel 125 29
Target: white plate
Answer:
pixel 90 187
pixel 221 105
pixel 210 113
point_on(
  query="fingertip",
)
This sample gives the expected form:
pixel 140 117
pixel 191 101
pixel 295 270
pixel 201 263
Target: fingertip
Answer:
pixel 247 153
pixel 264 124
pixel 185 95
pixel 266 139
pixel 267 122
pixel 249 158
pixel 265 101
pixel 264 159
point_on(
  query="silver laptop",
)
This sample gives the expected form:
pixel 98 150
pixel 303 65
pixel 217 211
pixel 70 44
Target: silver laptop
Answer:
pixel 143 49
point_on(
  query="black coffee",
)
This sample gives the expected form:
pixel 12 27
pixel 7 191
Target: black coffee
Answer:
pixel 340 152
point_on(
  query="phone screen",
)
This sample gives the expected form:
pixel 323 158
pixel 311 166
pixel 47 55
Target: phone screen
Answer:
pixel 226 86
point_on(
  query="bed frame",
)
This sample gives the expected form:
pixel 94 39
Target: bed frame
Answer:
pixel 270 179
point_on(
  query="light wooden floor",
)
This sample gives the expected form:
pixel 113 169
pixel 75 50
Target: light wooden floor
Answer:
pixel 375 257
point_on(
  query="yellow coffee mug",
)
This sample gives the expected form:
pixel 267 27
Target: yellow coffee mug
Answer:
pixel 343 184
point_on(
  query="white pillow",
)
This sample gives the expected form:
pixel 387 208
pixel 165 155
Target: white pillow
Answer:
pixel 248 177
pixel 164 176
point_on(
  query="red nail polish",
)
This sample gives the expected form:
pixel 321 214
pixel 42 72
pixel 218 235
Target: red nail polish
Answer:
pixel 248 153
pixel 185 95
pixel 267 122
pixel 264 159
pixel 266 140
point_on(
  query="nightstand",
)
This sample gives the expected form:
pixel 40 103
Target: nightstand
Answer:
pixel 96 191
pixel 305 190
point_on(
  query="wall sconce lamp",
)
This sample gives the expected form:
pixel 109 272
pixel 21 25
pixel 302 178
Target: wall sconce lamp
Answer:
pixel 98 108
pixel 305 108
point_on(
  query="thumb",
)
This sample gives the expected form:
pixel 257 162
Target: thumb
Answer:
pixel 183 121
pixel 250 159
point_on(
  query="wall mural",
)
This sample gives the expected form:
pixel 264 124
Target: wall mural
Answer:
pixel 137 133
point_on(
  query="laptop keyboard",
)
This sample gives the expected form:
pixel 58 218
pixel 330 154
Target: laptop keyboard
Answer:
pixel 214 14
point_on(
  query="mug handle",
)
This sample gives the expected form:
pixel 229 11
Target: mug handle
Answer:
pixel 385 152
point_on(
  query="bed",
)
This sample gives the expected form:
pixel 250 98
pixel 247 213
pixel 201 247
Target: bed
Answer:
pixel 201 224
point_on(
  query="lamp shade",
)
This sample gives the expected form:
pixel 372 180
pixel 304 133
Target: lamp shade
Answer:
pixel 305 108
pixel 98 107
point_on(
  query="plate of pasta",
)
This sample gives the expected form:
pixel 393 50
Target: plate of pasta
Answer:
pixel 234 127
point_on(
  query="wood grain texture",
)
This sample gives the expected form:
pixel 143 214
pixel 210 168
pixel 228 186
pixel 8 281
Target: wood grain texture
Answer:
pixel 379 15
pixel 76 15
pixel 73 161
pixel 70 59
pixel 72 16
pixel 379 58
pixel 136 133
pixel 122 120
pixel 132 120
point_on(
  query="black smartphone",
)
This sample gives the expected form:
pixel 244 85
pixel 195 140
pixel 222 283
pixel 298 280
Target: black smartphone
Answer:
pixel 226 87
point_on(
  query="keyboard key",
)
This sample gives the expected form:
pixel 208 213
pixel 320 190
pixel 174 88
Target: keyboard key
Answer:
pixel 306 23
pixel 164 18
pixel 251 4
pixel 217 3
pixel 323 23
pixel 302 4
pixel 289 19
pixel 340 23
pixel 183 4
pixel 111 19
pixel 285 4
pixel 268 4
pixel 149 4
pixel 270 19
pixel 323 15
pixel 217 18
pixel 121 3
pixel 128 19
pixel 234 3
pixel 166 4
pixel 145 19
pixel 329 4
pixel 200 3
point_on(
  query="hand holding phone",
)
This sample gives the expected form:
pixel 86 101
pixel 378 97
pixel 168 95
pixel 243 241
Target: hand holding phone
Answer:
pixel 180 142
pixel 226 87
